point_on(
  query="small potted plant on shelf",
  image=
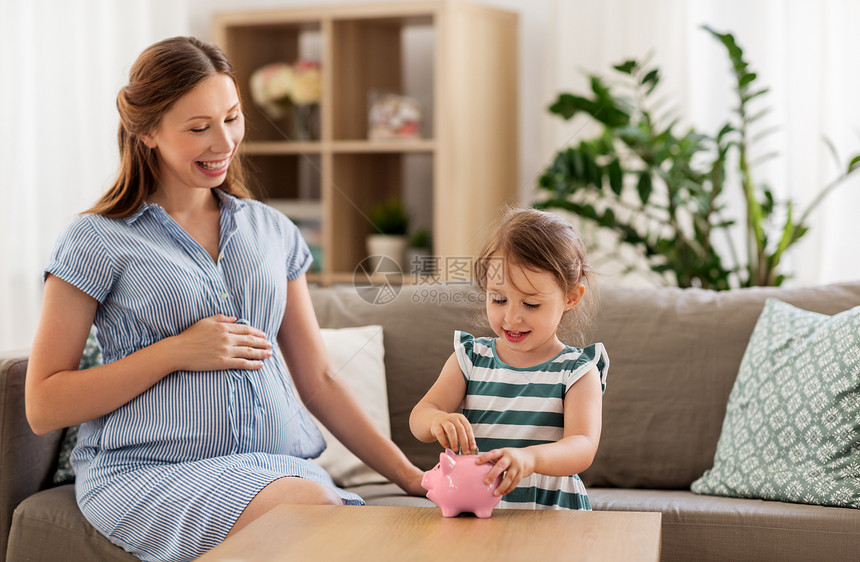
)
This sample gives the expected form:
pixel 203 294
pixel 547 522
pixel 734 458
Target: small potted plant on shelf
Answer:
pixel 419 254
pixel 389 225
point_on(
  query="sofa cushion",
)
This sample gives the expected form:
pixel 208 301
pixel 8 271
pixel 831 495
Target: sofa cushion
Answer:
pixel 357 355
pixel 792 426
pixel 717 528
pixel 91 357
pixel 675 354
pixel 49 526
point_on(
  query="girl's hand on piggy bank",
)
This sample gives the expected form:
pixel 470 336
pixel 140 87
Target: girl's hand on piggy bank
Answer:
pixel 453 431
pixel 514 464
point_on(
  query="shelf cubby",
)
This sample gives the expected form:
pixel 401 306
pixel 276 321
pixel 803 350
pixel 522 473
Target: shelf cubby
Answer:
pixel 458 60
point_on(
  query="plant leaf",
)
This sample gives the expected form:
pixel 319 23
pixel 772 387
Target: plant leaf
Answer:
pixel 627 67
pixel 759 115
pixel 764 158
pixel 764 133
pixel 616 176
pixel 789 236
pixel 567 105
pixel 747 97
pixel 727 128
pixel 593 172
pixel 599 88
pixel 577 168
pixel 608 218
pixel 833 152
pixel 746 79
pixel 644 186
pixel 631 134
pixel 652 78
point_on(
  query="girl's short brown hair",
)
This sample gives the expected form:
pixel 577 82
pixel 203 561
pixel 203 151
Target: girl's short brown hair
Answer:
pixel 541 241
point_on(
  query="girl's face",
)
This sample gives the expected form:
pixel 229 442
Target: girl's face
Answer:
pixel 524 307
pixel 198 136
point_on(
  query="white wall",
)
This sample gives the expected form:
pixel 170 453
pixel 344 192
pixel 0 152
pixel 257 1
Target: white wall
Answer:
pixel 61 64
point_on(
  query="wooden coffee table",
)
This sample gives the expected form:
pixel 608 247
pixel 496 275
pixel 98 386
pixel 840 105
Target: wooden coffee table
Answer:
pixel 324 533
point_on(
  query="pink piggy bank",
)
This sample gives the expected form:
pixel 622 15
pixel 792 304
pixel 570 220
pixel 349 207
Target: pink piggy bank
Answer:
pixel 456 485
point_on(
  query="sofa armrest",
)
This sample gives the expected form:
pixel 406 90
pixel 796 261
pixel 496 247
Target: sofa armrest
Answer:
pixel 27 460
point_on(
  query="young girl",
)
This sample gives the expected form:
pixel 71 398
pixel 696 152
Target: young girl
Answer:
pixel 531 404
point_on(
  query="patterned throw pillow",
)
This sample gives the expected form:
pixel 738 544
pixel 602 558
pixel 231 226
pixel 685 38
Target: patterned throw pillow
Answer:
pixel 792 426
pixel 65 474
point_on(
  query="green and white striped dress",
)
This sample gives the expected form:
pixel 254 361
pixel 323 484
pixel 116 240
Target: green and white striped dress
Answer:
pixel 518 407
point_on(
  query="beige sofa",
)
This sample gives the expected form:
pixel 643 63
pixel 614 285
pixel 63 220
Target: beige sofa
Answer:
pixel 674 357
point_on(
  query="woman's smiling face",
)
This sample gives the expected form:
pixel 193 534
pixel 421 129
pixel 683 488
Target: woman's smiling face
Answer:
pixel 199 135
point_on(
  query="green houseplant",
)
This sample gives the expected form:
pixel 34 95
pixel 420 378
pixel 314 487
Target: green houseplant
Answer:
pixel 389 217
pixel 389 224
pixel 661 191
pixel 419 255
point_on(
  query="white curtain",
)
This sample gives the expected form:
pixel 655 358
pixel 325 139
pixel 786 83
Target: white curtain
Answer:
pixel 806 51
pixel 62 63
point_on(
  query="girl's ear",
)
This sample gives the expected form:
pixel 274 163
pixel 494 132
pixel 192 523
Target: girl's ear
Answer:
pixel 574 296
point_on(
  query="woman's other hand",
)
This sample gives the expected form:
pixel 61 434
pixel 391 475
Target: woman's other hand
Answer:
pixel 410 482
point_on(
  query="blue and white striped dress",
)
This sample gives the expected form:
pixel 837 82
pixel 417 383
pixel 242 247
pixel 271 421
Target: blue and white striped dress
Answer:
pixel 166 475
pixel 519 407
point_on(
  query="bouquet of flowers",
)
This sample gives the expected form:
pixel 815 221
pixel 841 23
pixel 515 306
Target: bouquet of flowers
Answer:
pixel 279 87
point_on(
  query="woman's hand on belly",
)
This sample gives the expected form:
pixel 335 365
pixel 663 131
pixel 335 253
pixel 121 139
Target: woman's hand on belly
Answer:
pixel 218 343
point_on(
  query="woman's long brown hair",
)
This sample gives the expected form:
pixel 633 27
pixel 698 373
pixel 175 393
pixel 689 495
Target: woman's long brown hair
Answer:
pixel 162 74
